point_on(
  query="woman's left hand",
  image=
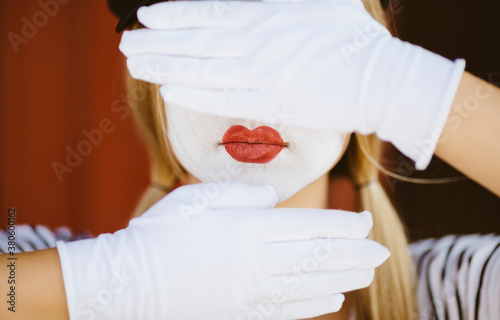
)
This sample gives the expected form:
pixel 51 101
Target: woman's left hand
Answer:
pixel 315 63
pixel 221 251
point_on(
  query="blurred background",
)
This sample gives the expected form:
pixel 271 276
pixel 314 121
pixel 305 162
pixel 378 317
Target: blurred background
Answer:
pixel 61 75
pixel 70 154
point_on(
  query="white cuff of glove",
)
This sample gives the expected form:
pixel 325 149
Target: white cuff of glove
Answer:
pixel 414 98
pixel 426 136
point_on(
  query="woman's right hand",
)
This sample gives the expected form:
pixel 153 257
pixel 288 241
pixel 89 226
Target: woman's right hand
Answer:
pixel 221 251
pixel 318 63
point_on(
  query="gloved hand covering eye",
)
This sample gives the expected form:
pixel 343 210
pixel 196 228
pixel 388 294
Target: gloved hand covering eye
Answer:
pixel 211 251
pixel 315 63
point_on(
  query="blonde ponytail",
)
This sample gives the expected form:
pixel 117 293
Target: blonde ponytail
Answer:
pixel 391 296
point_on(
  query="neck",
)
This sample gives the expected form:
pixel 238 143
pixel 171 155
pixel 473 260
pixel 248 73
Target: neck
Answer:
pixel 314 196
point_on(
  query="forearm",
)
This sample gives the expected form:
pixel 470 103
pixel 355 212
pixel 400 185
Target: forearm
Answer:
pixel 470 140
pixel 38 287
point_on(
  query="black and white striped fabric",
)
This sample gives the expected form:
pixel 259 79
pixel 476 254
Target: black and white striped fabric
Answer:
pixel 458 276
pixel 29 238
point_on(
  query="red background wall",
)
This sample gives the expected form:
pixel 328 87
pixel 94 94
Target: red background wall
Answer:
pixel 67 78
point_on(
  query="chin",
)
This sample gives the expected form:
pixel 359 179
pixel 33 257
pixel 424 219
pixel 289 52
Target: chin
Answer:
pixel 287 178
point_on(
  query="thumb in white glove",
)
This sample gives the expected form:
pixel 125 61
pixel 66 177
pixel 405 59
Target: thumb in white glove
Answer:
pixel 326 62
pixel 208 251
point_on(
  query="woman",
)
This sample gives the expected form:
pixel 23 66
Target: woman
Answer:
pixel 167 55
pixel 394 283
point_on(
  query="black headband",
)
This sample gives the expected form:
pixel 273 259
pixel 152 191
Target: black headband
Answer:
pixel 126 10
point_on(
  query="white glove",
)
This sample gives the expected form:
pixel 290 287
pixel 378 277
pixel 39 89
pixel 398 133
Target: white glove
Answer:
pixel 317 63
pixel 210 251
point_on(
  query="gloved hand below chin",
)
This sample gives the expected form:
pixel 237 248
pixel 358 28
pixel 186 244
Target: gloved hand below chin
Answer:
pixel 220 251
pixel 318 63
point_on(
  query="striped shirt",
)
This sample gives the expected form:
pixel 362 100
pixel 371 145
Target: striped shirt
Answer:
pixel 458 276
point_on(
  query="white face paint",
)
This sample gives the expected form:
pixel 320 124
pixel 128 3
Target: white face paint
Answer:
pixel 196 141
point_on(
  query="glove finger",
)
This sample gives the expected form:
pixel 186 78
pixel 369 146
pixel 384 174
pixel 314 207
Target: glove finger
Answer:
pixel 281 225
pixel 300 286
pixel 247 104
pixel 325 255
pixel 297 309
pixel 201 73
pixel 313 307
pixel 224 195
pixel 204 43
pixel 193 14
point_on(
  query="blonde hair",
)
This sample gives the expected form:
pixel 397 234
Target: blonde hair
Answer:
pixel 391 296
pixel 392 292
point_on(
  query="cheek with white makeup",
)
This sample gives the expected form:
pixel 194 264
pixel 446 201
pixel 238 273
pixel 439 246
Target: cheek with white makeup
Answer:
pixel 217 149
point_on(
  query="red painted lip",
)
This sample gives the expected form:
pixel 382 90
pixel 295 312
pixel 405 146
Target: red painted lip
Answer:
pixel 260 145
